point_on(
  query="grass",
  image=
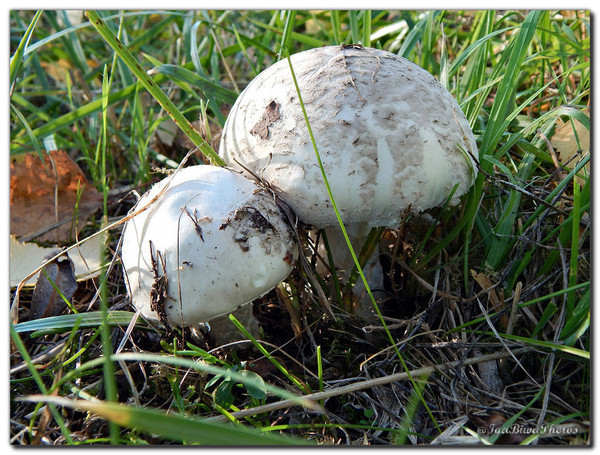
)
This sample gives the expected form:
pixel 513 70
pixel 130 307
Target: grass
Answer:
pixel 488 311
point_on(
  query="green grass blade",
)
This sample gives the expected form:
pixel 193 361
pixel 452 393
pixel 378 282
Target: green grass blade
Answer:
pixel 366 28
pixel 288 29
pixel 548 345
pixel 69 119
pixel 17 59
pixel 578 321
pixel 295 36
pixel 503 240
pixel 574 256
pixel 208 87
pixel 355 34
pixel 30 134
pixel 171 426
pixel 336 28
pixel 66 322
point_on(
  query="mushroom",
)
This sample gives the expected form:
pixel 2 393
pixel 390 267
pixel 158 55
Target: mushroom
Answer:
pixel 210 241
pixel 390 137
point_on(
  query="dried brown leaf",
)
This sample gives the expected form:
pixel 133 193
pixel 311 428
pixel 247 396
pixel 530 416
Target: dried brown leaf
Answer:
pixel 54 288
pixel 43 194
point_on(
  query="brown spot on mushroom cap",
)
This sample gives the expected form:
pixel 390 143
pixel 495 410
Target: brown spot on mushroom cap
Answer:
pixel 270 115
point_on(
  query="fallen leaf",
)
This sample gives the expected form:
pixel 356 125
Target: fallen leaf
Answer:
pixel 26 257
pixel 55 287
pixel 571 140
pixel 43 194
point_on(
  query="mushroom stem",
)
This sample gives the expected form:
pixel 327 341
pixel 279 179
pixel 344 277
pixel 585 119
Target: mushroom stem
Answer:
pixel 364 241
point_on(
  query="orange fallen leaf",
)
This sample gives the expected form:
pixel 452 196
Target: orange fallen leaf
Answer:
pixel 43 194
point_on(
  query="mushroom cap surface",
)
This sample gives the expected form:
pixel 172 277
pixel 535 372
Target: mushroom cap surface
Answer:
pixel 218 239
pixel 389 135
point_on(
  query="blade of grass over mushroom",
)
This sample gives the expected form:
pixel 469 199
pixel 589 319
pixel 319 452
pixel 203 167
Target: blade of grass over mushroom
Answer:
pixel 332 199
pixel 347 239
pixel 172 426
pixel 153 88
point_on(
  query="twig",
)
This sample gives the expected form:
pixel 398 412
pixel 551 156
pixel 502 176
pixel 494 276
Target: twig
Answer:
pixel 355 387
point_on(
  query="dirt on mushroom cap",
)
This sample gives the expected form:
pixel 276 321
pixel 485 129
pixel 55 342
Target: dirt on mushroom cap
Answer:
pixel 390 136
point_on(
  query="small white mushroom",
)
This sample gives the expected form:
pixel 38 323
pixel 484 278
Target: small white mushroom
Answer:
pixel 389 135
pixel 211 242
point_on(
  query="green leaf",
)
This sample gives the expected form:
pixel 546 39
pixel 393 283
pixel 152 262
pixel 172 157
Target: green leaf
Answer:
pixel 223 396
pixel 255 385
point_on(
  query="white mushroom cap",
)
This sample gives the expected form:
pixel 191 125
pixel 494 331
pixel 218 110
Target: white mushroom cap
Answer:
pixel 222 240
pixel 389 134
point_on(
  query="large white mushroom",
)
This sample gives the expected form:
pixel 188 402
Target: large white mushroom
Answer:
pixel 210 242
pixel 389 135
